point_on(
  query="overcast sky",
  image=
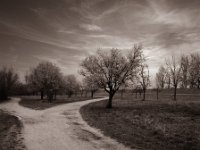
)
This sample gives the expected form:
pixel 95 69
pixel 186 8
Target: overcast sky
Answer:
pixel 66 31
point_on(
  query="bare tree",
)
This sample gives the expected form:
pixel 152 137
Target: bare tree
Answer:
pixel 138 90
pixel 47 78
pixel 174 70
pixel 194 71
pixel 123 89
pixel 71 85
pixel 134 84
pixel 91 84
pixel 168 79
pixel 143 78
pixel 161 77
pixel 111 69
pixel 82 87
pixel 8 79
pixel 184 71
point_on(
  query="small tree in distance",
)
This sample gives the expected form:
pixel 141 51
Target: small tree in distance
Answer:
pixel 143 78
pixel 184 71
pixel 194 71
pixel 174 70
pixel 46 77
pixel 111 69
pixel 161 78
pixel 71 85
pixel 123 89
pixel 91 84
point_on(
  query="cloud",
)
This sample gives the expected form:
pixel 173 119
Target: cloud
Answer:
pixel 65 31
pixel 90 27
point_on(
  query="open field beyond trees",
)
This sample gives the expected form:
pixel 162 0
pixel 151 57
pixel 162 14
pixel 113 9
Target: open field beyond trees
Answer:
pixel 10 130
pixel 151 124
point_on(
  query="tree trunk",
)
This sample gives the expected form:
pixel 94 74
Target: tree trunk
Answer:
pixel 144 95
pixel 175 88
pixel 92 94
pixel 109 104
pixel 42 94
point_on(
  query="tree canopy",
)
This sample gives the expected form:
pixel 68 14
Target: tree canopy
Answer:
pixel 46 77
pixel 111 69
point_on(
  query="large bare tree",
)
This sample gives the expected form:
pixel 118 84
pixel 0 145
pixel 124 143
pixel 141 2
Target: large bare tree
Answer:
pixel 8 78
pixel 111 69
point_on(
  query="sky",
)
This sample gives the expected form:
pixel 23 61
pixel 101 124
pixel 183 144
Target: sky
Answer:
pixel 66 31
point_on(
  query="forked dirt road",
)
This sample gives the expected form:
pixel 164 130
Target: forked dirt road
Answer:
pixel 60 128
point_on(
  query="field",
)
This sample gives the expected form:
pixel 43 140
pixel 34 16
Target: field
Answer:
pixel 10 130
pixel 34 102
pixel 151 124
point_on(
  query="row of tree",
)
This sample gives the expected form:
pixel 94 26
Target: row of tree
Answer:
pixel 109 70
pixel 179 73
pixel 46 79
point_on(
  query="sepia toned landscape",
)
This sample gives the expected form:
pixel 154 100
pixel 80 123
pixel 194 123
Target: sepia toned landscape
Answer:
pixel 99 75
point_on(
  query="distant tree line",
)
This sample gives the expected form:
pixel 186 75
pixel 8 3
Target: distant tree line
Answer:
pixel 45 79
pixel 111 70
pixel 179 73
pixel 48 80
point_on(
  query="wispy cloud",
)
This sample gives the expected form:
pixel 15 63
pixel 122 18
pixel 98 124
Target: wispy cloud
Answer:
pixel 90 27
pixel 65 31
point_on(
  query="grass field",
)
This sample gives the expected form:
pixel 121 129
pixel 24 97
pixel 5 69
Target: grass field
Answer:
pixel 152 124
pixel 34 102
pixel 10 130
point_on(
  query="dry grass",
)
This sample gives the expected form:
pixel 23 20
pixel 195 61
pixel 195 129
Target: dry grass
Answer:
pixel 150 124
pixel 34 102
pixel 10 130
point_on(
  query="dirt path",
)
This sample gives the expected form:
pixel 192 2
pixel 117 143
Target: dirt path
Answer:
pixel 60 128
